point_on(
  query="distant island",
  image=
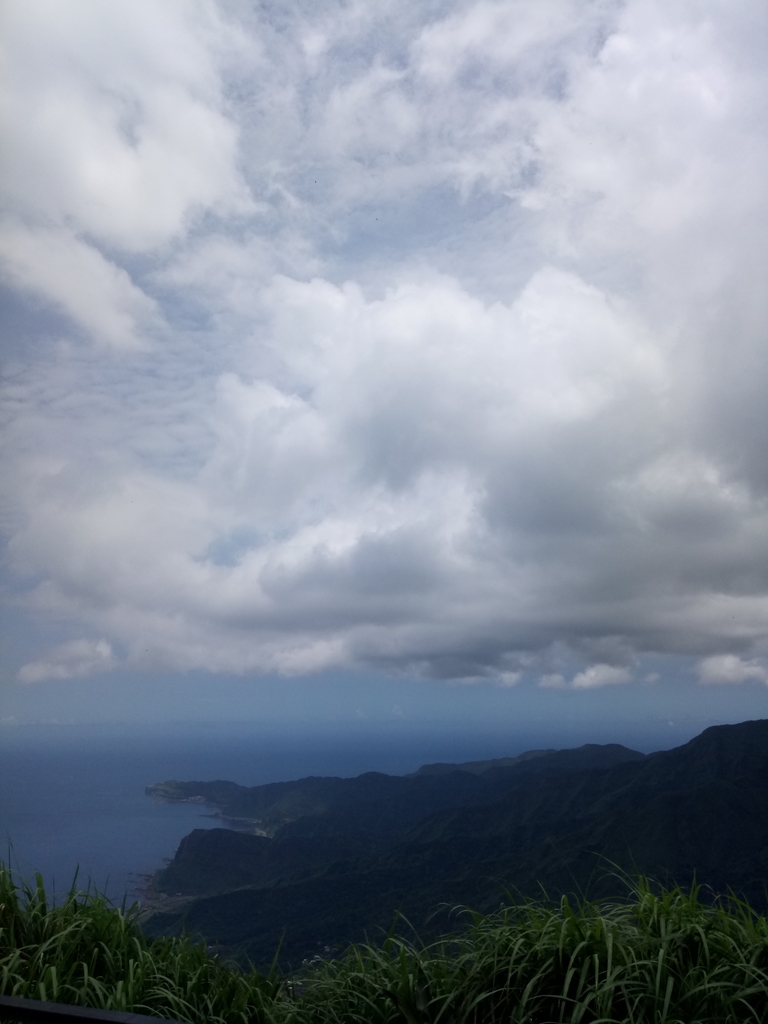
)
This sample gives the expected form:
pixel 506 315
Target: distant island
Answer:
pixel 323 862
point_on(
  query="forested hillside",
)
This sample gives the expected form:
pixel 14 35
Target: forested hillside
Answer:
pixel 341 857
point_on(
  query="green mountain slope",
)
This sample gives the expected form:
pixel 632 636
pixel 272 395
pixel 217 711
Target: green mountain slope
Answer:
pixel 347 854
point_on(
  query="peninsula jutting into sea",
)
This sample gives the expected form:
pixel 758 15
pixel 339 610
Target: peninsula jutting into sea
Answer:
pixel 324 862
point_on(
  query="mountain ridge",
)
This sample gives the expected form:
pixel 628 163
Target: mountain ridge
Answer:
pixel 344 856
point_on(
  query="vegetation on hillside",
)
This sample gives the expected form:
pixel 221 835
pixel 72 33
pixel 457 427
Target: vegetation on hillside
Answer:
pixel 658 957
pixel 352 852
pixel 87 952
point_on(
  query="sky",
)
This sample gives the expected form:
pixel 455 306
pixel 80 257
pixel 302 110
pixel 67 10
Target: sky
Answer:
pixel 384 362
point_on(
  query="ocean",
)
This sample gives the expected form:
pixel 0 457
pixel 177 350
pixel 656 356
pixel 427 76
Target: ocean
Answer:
pixel 72 798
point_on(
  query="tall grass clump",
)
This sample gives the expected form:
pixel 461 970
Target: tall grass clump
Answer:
pixel 87 952
pixel 665 958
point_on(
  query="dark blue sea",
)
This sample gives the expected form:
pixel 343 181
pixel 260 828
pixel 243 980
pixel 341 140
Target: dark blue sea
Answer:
pixel 72 798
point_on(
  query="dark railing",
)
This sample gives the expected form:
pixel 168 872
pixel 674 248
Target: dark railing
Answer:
pixel 36 1012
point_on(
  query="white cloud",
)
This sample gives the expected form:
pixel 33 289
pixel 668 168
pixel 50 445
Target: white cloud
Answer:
pixel 492 33
pixel 114 117
pixel 347 516
pixel 72 660
pixel 510 678
pixel 600 675
pixel 99 296
pixel 479 373
pixel 729 668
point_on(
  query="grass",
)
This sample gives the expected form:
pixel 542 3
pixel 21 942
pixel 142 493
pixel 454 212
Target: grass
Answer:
pixel 657 958
pixel 660 957
pixel 86 952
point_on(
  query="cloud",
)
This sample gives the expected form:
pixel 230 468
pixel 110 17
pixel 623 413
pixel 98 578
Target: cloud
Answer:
pixel 600 675
pixel 72 660
pixel 336 513
pixel 552 681
pixel 114 120
pixel 510 678
pixel 592 678
pixel 728 668
pixel 99 296
pixel 442 336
